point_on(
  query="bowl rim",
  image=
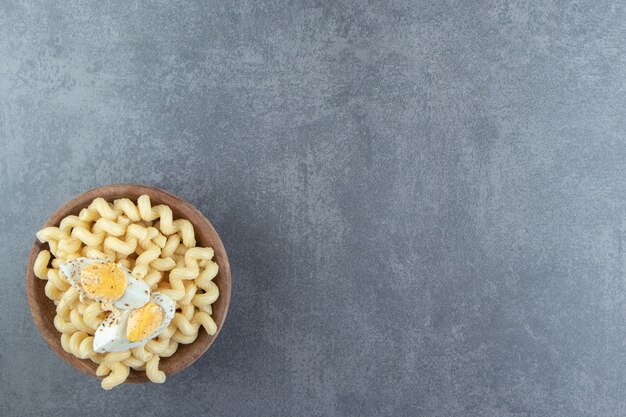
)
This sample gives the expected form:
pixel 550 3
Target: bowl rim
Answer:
pixel 121 190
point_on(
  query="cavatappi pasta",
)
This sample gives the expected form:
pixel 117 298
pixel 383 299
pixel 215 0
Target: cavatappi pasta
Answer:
pixel 157 249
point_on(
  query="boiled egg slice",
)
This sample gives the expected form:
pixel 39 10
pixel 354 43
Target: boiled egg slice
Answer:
pixel 128 329
pixel 106 282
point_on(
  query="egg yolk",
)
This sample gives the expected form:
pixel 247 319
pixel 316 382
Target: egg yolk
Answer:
pixel 143 321
pixel 103 281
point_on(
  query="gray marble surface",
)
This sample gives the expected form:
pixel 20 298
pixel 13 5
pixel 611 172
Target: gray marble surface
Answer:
pixel 424 202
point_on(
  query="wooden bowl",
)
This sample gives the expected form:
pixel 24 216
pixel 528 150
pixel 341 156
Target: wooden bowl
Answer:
pixel 44 310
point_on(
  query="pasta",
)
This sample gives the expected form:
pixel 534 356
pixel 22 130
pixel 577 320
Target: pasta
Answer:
pixel 158 249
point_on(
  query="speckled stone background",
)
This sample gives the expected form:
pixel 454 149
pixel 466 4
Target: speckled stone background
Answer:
pixel 424 202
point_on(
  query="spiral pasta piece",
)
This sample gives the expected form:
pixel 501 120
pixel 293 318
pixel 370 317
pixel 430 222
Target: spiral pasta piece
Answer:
pixel 87 237
pixel 184 339
pixel 78 344
pixel 190 292
pixel 207 275
pixel 93 315
pixel 160 240
pixel 103 369
pixel 52 292
pixel 169 332
pixel 206 308
pixel 68 247
pixel 190 328
pixel 211 294
pixel 187 310
pixel 179 258
pixel 177 290
pixel 133 362
pixel 128 208
pixel 41 264
pixel 48 234
pixel 58 280
pixel 89 215
pixel 152 278
pixel 170 245
pixel 85 349
pixel 71 222
pixel 145 208
pixel 141 263
pixel 109 252
pixel 119 373
pixel 166 219
pixel 142 354
pixel 97 358
pixel 184 326
pixel 151 233
pixel 163 264
pixel 110 227
pixel 170 350
pixel 126 263
pixel 124 247
pixel 123 221
pixel 137 231
pixel 56 262
pixel 103 208
pixel 206 321
pixel 153 372
pixel 63 325
pixel 114 357
pixel 70 297
pixel 193 254
pixel 157 345
pixel 65 341
pixel 95 253
pixel 186 232
pixel 77 320
pixel 184 273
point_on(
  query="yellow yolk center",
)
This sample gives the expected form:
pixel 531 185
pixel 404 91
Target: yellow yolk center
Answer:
pixel 143 321
pixel 103 281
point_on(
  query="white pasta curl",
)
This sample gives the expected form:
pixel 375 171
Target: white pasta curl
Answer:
pixel 70 222
pixel 153 372
pixel 119 373
pixel 133 362
pixel 110 227
pixel 128 207
pixel 170 350
pixel 87 237
pixel 104 208
pixel 141 263
pixel 190 292
pixel 79 344
pixel 41 264
pixel 211 294
pixel 48 234
pixel 163 264
pixel 93 315
pixel 142 354
pixel 125 247
pixel 89 215
pixel 206 276
pixel 170 245
pixel 157 345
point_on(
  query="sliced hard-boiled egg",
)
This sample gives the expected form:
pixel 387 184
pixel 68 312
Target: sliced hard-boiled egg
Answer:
pixel 128 329
pixel 106 282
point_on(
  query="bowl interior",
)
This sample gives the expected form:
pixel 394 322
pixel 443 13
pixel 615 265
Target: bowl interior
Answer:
pixel 43 309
